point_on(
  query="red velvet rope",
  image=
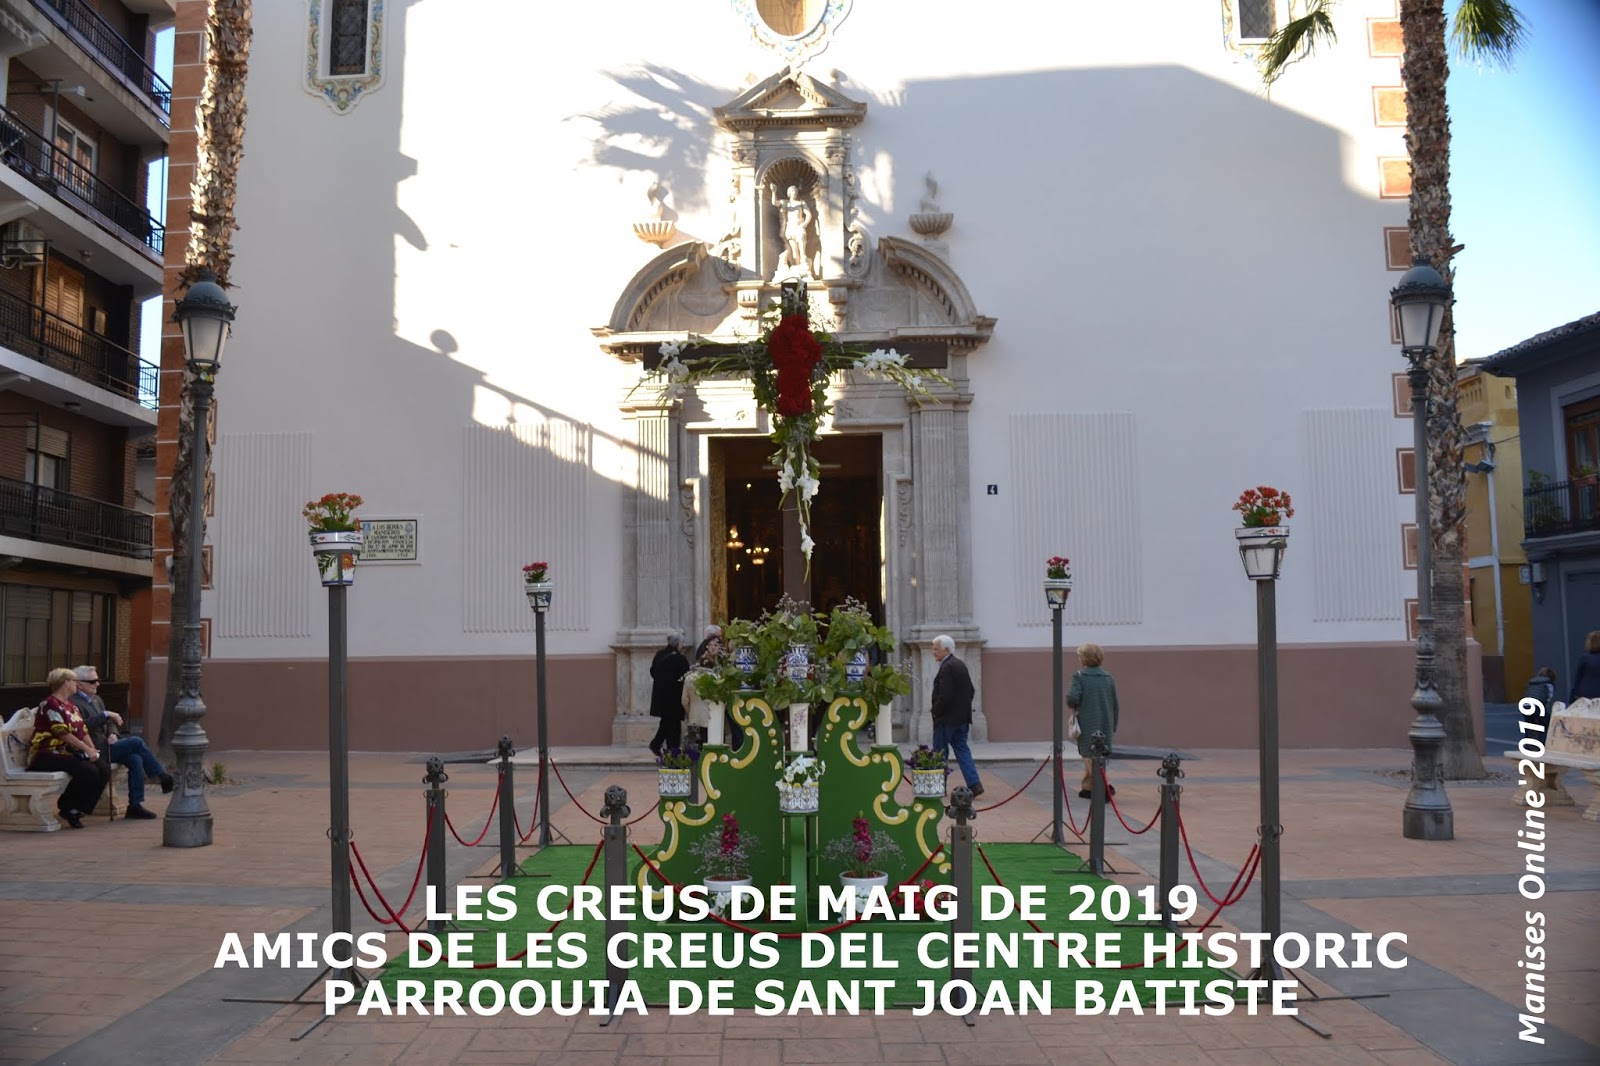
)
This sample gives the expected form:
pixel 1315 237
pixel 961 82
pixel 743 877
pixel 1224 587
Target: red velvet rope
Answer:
pixel 487 821
pixel 652 809
pixel 522 838
pixel 553 925
pixel 393 919
pixel 1018 792
pixel 1113 801
pixel 1066 798
pixel 427 834
pixel 1251 862
pixel 1183 834
pixel 782 936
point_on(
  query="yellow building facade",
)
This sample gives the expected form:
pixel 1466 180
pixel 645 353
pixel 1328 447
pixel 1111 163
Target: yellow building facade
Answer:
pixel 1496 565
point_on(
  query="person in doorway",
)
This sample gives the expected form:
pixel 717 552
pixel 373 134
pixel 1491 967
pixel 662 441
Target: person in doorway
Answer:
pixel 103 725
pixel 1093 696
pixel 1586 678
pixel 952 710
pixel 61 744
pixel 666 694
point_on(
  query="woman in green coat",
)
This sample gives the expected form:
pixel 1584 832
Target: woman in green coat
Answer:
pixel 1094 697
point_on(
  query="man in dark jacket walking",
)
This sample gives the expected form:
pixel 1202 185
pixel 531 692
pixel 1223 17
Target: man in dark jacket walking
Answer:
pixel 666 694
pixel 952 710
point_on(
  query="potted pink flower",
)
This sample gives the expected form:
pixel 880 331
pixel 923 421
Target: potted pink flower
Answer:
pixel 537 584
pixel 1057 581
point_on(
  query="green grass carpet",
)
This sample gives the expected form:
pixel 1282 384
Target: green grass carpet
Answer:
pixel 893 958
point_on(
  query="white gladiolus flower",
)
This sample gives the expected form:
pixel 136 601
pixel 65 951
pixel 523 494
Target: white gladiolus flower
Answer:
pixel 670 349
pixel 785 480
pixel 806 545
pixel 808 486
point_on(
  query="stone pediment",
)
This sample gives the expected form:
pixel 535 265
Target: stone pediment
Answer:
pixel 908 293
pixel 790 99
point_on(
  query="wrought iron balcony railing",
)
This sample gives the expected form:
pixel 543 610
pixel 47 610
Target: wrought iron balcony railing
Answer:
pixel 52 340
pixel 26 151
pixel 34 512
pixel 113 51
pixel 1550 510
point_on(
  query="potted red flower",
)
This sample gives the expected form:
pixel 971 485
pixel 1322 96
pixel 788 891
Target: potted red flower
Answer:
pixel 1263 537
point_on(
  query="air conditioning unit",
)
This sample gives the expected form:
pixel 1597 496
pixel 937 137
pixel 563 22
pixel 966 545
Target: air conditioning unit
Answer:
pixel 21 244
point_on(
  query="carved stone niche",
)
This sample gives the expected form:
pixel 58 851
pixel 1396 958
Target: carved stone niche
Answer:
pixel 791 157
pixel 792 131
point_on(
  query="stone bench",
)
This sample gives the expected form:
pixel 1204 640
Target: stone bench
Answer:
pixel 1572 743
pixel 27 798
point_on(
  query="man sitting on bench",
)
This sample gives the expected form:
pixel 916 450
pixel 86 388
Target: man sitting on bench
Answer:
pixel 131 752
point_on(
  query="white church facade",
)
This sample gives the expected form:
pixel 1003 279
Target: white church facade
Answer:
pixel 466 228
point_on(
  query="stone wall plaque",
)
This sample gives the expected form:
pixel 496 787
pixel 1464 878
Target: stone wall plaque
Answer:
pixel 391 540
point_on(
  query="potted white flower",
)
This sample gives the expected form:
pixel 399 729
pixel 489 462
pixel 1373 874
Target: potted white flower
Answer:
pixel 799 784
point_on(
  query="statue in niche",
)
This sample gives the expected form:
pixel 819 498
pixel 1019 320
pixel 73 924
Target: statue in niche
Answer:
pixel 730 246
pixel 796 216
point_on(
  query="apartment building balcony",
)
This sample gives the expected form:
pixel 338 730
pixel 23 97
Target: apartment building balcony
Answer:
pixel 47 516
pixel 1562 508
pixel 124 61
pixel 79 212
pixel 45 355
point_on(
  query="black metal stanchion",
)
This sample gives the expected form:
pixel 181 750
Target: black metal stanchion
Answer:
pixel 961 878
pixel 615 836
pixel 1097 805
pixel 1269 830
pixel 1057 836
pixel 435 778
pixel 1170 772
pixel 508 810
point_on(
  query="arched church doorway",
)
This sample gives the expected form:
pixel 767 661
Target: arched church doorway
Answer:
pixel 755 547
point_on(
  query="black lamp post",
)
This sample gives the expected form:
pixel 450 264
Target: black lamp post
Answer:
pixel 539 596
pixel 206 317
pixel 1420 301
pixel 1056 591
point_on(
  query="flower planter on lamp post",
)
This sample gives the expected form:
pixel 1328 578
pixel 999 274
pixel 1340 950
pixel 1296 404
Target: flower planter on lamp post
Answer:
pixel 540 589
pixel 1057 587
pixel 206 318
pixel 336 541
pixel 1261 542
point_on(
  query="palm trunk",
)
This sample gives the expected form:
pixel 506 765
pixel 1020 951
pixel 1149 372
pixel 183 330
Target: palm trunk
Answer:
pixel 1425 70
pixel 219 147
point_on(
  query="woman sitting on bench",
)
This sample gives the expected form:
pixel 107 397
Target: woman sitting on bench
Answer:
pixel 61 743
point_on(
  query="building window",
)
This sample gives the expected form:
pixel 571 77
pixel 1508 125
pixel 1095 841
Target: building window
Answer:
pixel 47 453
pixel 1583 437
pixel 344 50
pixel 74 161
pixel 1258 19
pixel 42 628
pixel 347 37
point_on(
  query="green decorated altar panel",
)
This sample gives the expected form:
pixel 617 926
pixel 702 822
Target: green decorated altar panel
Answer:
pixel 744 783
pixel 866 782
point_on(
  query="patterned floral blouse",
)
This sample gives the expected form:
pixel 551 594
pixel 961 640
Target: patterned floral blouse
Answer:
pixel 53 722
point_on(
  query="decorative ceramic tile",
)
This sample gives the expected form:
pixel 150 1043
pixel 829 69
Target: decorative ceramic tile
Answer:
pixel 341 91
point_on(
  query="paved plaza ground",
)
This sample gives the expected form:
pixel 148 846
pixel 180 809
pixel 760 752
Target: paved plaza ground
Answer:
pixel 107 939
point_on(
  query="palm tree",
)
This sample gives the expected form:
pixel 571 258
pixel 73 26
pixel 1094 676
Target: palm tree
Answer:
pixel 219 129
pixel 1484 30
